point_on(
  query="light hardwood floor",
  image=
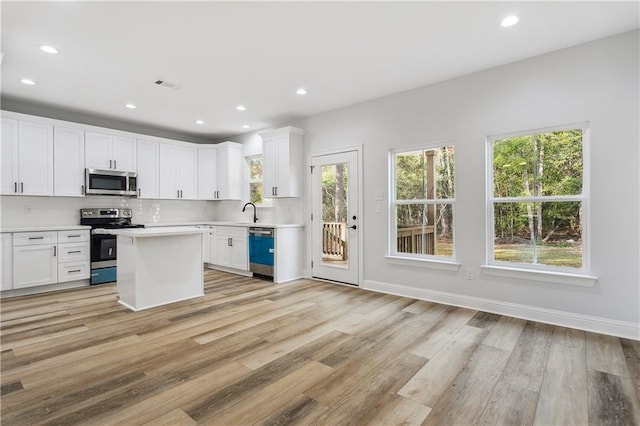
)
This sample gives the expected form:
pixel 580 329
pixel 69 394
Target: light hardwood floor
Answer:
pixel 307 352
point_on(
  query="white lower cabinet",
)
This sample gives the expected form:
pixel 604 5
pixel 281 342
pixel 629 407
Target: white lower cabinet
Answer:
pixel 36 263
pixel 208 243
pixel 44 257
pixel 6 255
pixel 231 247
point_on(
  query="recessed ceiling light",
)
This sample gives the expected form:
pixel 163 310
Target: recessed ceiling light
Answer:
pixel 49 49
pixel 241 107
pixel 199 122
pixel 28 82
pixel 509 21
pixel 131 106
pixel 246 126
pixel 301 91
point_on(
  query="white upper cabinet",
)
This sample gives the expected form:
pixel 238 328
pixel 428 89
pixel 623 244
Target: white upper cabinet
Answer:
pixel 220 170
pixel 148 169
pixel 207 173
pixel 27 158
pixel 107 152
pixel 178 172
pixel 68 150
pixel 283 163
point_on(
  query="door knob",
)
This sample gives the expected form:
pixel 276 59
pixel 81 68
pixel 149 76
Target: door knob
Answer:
pixel 353 227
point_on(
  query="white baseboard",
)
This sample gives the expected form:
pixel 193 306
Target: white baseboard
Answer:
pixel 617 328
pixel 44 288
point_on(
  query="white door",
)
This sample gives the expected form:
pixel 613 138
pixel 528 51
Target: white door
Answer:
pixel 207 173
pixel 148 152
pixel 35 159
pixel 188 173
pixel 68 156
pixel 169 171
pixel 335 223
pixel 123 152
pixel 9 157
pixel 34 265
pixel 97 151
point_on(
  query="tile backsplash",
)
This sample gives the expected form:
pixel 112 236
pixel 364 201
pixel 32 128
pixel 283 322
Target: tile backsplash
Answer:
pixel 44 211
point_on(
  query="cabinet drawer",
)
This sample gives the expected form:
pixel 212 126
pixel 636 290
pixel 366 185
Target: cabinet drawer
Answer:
pixel 232 231
pixel 33 238
pixel 73 271
pixel 71 252
pixel 73 236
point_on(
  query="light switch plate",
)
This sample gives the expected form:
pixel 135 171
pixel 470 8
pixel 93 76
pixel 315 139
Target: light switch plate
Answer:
pixel 379 196
pixel 378 208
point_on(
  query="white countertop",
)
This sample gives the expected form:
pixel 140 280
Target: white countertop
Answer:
pixel 150 232
pixel 214 223
pixel 44 228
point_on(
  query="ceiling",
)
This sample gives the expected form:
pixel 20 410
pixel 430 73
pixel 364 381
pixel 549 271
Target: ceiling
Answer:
pixel 257 54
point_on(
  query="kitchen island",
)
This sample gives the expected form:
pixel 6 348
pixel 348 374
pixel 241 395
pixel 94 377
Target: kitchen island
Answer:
pixel 158 266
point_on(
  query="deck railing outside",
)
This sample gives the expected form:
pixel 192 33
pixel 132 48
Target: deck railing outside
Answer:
pixel 334 242
pixel 416 239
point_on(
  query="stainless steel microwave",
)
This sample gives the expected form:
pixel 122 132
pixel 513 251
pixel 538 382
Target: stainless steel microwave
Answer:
pixel 111 182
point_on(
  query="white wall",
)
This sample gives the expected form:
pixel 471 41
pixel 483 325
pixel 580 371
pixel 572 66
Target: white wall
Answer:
pixel 595 82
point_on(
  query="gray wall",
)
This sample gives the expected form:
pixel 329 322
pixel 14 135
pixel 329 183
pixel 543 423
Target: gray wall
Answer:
pixel 595 82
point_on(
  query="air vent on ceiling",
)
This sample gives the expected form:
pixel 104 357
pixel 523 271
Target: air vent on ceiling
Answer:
pixel 168 84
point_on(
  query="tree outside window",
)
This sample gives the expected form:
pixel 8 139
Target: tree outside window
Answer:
pixel 537 199
pixel 422 202
pixel 255 180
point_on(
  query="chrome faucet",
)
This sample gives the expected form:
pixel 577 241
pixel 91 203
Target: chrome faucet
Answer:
pixel 255 218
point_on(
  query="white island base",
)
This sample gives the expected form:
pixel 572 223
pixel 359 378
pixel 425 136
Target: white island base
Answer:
pixel 158 267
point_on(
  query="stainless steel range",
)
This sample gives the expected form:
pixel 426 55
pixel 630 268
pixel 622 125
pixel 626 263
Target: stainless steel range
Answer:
pixel 103 246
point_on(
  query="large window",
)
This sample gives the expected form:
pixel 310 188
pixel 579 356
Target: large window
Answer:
pixel 422 202
pixel 537 200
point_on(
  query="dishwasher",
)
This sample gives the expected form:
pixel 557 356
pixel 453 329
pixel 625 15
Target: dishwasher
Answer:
pixel 261 250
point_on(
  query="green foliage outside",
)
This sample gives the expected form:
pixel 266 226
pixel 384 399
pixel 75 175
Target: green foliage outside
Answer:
pixel 547 232
pixel 335 178
pixel 255 180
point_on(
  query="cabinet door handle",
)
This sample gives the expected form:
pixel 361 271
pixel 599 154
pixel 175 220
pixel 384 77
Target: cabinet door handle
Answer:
pixel 55 251
pixel 177 193
pixel 115 164
pixel 82 189
pixel 75 251
pixel 111 164
pixel 15 187
pixel 76 270
pixel 36 238
pixel 138 192
pixel 74 236
pixel 276 191
pixel 229 242
pixel 181 196
pixel 21 187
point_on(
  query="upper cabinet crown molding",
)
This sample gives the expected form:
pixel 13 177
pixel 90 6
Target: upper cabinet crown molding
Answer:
pixel 282 131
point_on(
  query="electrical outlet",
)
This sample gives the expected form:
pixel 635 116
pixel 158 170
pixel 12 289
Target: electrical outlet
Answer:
pixel 27 209
pixel 470 274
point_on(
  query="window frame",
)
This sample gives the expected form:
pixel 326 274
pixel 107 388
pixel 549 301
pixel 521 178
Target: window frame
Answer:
pixel 265 202
pixel 429 260
pixel 537 271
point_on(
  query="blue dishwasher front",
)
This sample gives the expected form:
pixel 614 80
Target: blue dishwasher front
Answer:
pixel 261 250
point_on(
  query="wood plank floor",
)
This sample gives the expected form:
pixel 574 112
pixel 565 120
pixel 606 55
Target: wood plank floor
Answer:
pixel 307 352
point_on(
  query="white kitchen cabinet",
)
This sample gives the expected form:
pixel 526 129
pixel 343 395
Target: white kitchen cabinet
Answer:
pixel 208 243
pixel 148 169
pixel 68 165
pixel 283 163
pixel 35 259
pixel 178 172
pixel 73 255
pixel 220 172
pixel 231 247
pixel 27 158
pixel 6 257
pixel 109 152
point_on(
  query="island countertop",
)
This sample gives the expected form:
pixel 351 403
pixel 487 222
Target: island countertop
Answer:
pixel 220 223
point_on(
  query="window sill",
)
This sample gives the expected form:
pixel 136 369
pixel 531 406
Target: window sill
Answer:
pixel 443 265
pixel 545 276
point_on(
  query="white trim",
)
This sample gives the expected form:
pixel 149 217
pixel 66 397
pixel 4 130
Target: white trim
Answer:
pixel 433 263
pixel 359 149
pixel 546 275
pixel 590 323
pixel 155 305
pixel 537 271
